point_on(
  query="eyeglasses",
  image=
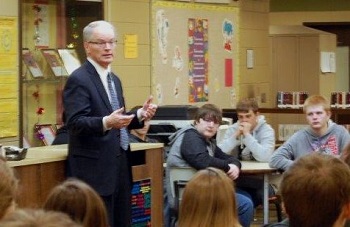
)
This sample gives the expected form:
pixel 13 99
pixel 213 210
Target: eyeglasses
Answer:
pixel 104 44
pixel 211 119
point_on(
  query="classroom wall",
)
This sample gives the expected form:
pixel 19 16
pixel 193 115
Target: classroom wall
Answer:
pixel 254 31
pixel 9 86
pixel 298 18
pixel 296 12
pixel 136 74
pixel 132 17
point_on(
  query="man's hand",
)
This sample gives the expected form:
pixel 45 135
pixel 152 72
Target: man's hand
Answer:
pixel 119 120
pixel 148 109
pixel 233 172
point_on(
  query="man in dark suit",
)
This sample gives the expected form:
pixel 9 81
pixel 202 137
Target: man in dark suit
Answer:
pixel 97 123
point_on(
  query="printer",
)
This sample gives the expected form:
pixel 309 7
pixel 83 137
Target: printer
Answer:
pixel 169 118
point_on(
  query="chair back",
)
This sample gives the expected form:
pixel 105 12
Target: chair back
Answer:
pixel 180 174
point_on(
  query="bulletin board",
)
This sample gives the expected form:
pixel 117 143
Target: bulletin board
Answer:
pixel 195 55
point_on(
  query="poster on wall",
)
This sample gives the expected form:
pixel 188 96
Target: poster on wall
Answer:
pixel 198 60
pixel 192 44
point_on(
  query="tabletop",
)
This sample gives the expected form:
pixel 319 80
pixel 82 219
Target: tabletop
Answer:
pixel 254 167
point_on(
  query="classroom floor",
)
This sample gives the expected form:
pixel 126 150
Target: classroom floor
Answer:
pixel 258 217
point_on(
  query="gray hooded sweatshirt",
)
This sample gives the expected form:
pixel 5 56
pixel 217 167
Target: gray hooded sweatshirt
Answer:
pixel 259 145
pixel 305 142
pixel 194 151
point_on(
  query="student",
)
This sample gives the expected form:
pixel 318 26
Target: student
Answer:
pixel 194 146
pixel 61 133
pixel 94 105
pixel 8 189
pixel 37 218
pixel 79 201
pixel 322 135
pixel 208 200
pixel 251 138
pixel 316 192
pixel 139 135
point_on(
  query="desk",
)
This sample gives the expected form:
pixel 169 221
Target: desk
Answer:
pixel 260 168
pixel 44 168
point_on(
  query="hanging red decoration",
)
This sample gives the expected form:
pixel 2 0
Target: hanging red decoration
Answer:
pixel 40 111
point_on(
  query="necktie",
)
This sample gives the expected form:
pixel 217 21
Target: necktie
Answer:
pixel 124 137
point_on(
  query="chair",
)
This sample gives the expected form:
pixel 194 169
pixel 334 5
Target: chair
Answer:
pixel 179 176
pixel 276 200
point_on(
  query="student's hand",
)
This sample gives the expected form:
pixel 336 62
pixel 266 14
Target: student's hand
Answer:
pixel 148 109
pixel 233 172
pixel 119 120
pixel 244 128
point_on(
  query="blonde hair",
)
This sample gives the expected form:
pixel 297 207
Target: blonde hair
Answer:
pixel 37 218
pixel 209 200
pixel 318 100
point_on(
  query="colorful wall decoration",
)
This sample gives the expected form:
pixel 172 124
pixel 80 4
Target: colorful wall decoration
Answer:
pixel 195 55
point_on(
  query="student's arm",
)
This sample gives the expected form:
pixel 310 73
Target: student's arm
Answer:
pixel 263 145
pixel 229 141
pixel 283 157
pixel 194 151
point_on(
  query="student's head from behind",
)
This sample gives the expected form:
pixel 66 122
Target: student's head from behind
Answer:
pixel 79 201
pixel 8 188
pixel 248 111
pixel 37 218
pixel 316 191
pixel 317 111
pixel 208 200
pixel 100 42
pixel 207 120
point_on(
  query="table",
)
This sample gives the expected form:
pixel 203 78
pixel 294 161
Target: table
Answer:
pixel 44 168
pixel 260 168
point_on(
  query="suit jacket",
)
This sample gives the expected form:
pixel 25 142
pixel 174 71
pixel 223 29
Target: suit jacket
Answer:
pixel 92 153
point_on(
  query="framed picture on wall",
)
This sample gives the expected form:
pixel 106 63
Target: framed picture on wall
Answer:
pixel 53 59
pixel 46 133
pixel 31 63
pixel 70 59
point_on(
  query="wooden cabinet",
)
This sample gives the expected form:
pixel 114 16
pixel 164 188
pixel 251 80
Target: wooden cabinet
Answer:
pixel 44 168
pixel 295 59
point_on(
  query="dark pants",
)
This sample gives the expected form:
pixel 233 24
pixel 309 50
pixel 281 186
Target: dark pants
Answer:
pixel 254 187
pixel 119 203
